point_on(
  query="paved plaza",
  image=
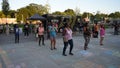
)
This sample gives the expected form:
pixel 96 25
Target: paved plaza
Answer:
pixel 27 53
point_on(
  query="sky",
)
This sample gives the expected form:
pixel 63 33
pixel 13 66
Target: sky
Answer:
pixel 92 6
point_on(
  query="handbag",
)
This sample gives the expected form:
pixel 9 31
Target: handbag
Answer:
pixel 36 35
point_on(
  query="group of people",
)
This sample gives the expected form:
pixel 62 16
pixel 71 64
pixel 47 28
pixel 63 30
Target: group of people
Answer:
pixel 52 32
pixel 66 34
pixel 5 29
pixel 18 31
pixel 87 33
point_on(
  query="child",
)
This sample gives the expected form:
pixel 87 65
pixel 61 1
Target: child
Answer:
pixel 102 33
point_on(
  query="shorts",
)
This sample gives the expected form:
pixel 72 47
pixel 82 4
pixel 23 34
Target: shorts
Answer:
pixel 52 35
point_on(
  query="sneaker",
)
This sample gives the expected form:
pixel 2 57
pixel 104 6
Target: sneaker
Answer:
pixel 71 54
pixel 43 44
pixel 55 48
pixel 51 48
pixel 64 54
pixel 101 44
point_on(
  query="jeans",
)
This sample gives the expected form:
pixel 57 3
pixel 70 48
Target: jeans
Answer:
pixel 16 38
pixel 70 42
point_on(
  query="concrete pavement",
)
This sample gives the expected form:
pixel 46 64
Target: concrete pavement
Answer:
pixel 27 54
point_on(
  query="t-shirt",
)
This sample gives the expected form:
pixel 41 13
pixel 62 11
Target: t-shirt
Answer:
pixel 102 32
pixel 17 30
pixel 40 31
pixel 68 34
pixel 52 30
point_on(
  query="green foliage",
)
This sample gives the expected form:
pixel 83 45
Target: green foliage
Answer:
pixel 12 13
pixel 84 15
pixel 115 15
pixel 5 7
pixel 31 9
pixel 57 13
pixel 69 12
pixel 1 14
pixel 100 16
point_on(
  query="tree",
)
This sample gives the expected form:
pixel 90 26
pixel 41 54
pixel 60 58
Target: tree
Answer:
pixel 5 7
pixel 31 9
pixel 70 12
pixel 12 13
pixel 1 14
pixel 57 13
pixel 22 14
pixel 72 16
pixel 114 15
pixel 40 9
pixel 100 16
pixel 85 14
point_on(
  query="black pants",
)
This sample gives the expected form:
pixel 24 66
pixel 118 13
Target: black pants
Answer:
pixel 116 32
pixel 70 42
pixel 16 38
pixel 41 37
pixel 26 32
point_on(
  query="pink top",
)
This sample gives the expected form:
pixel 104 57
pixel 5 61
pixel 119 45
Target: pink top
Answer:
pixel 68 34
pixel 40 31
pixel 102 31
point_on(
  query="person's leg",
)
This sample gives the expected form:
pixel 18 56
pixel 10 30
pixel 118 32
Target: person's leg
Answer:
pixel 48 35
pixel 39 36
pixel 117 32
pixel 25 33
pixel 97 33
pixel 71 46
pixel 18 38
pixel 42 36
pixel 101 40
pixel 64 48
pixel 54 43
pixel 87 41
pixel 85 44
pixel 51 40
pixel 15 38
pixel 28 32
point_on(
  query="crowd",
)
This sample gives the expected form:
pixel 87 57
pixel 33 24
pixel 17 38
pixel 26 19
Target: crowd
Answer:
pixel 39 31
